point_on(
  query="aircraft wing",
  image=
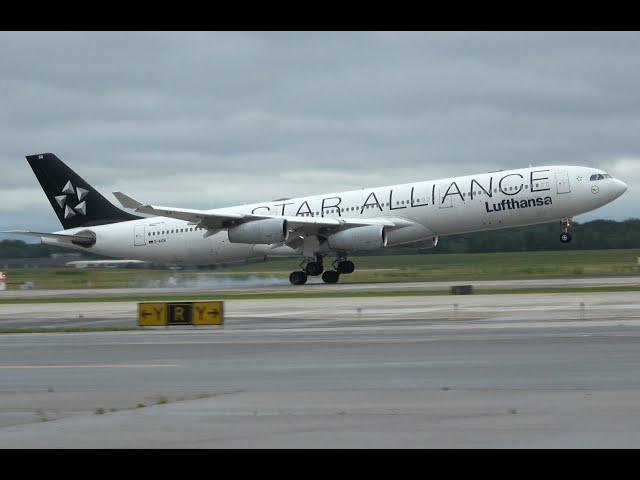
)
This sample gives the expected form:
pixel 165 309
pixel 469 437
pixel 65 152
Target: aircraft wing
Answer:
pixel 210 219
pixel 214 221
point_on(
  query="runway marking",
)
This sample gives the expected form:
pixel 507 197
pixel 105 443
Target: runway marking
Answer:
pixel 105 365
pixel 472 336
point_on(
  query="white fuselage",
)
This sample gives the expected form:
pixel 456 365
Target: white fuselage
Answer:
pixel 448 206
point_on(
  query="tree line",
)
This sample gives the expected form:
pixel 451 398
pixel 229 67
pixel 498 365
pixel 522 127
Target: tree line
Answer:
pixel 597 234
pixel 594 235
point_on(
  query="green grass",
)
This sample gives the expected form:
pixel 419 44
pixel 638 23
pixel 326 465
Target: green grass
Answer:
pixel 387 268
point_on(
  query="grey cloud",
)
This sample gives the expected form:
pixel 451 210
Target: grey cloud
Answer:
pixel 267 114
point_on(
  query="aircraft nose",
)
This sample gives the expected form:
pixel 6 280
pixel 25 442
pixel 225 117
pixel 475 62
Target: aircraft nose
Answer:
pixel 622 187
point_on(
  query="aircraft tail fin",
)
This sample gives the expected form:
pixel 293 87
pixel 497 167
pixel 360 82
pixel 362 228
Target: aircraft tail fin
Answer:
pixel 76 203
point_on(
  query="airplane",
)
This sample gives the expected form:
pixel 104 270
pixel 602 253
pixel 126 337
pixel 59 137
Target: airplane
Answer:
pixel 317 226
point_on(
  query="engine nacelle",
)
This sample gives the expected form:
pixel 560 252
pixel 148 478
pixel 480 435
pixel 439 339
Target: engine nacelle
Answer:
pixel 411 234
pixel 430 243
pixel 369 237
pixel 267 231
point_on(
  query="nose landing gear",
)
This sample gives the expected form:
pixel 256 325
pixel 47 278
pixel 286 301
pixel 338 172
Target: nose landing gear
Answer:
pixel 565 236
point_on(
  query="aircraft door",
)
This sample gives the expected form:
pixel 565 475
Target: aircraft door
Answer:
pixel 562 182
pixel 139 235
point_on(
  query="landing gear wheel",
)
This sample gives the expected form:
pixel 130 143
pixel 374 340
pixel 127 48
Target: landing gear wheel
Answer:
pixel 298 278
pixel 330 276
pixel 566 223
pixel 346 266
pixel 314 268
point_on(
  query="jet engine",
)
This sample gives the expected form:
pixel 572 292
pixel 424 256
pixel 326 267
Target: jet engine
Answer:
pixel 267 231
pixel 369 237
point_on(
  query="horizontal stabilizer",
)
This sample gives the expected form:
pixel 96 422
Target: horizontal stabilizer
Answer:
pixel 83 238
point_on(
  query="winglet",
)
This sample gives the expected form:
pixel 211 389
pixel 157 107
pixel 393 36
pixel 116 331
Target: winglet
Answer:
pixel 126 201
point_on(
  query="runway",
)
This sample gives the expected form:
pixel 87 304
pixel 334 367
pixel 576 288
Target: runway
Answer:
pixel 346 311
pixel 318 286
pixel 494 371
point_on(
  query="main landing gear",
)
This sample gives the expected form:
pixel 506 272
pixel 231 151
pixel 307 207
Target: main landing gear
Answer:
pixel 315 267
pixel 308 268
pixel 298 278
pixel 565 236
pixel 341 266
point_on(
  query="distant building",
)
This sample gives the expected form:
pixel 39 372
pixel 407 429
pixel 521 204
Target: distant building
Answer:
pixel 66 255
pixel 107 263
pixel 46 262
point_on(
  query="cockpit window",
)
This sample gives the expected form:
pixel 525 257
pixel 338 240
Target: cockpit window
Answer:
pixel 599 176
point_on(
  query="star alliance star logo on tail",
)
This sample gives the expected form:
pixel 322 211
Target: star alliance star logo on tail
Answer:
pixel 65 203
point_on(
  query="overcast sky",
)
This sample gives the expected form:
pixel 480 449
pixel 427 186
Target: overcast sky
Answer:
pixel 206 119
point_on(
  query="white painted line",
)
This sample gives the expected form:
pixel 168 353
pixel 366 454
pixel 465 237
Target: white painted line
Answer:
pixel 105 365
